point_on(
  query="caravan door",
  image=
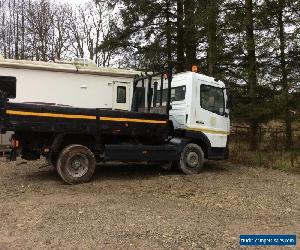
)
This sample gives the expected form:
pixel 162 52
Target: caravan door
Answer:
pixel 121 96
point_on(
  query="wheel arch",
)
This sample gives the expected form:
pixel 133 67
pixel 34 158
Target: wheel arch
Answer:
pixel 60 141
pixel 200 139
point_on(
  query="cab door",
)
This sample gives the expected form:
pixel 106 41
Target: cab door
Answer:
pixel 211 117
pixel 121 96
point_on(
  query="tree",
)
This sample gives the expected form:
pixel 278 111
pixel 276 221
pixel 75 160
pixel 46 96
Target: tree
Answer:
pixel 252 76
pixel 40 20
pixel 280 22
pixel 190 33
pixel 47 30
pixel 212 51
pixel 180 37
pixel 285 86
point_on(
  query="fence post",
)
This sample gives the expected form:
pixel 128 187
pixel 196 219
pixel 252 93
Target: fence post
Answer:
pixel 276 139
pixel 260 135
pixel 248 133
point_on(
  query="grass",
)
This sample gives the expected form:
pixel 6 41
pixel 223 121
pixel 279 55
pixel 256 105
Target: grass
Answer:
pixel 285 161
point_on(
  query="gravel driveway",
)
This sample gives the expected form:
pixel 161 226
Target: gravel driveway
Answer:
pixel 144 207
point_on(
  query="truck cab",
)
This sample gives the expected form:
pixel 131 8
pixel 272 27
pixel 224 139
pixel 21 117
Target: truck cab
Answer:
pixel 199 106
pixel 198 110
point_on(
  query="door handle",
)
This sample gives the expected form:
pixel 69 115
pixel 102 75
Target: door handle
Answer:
pixel 200 122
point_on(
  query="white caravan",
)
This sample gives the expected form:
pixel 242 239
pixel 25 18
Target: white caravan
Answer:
pixel 70 84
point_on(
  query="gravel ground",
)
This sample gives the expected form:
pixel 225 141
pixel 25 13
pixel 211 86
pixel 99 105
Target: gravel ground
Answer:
pixel 143 207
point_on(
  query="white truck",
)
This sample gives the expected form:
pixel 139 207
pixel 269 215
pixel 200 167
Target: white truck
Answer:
pixel 74 123
pixel 200 104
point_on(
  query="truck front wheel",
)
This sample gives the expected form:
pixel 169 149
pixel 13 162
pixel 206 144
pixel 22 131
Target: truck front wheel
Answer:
pixel 191 159
pixel 76 164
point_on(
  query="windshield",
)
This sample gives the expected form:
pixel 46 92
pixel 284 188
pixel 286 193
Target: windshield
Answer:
pixel 212 99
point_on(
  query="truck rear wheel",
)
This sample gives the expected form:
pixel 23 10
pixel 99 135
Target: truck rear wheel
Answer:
pixel 76 164
pixel 191 159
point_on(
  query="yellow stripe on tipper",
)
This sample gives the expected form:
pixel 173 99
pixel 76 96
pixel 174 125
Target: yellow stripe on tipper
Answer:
pixel 210 131
pixel 67 116
pixel 52 115
pixel 131 120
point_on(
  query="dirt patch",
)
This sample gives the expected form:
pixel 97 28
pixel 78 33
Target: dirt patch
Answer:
pixel 144 207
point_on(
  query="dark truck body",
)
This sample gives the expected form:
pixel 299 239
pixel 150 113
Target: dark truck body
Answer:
pixel 116 135
pixel 47 118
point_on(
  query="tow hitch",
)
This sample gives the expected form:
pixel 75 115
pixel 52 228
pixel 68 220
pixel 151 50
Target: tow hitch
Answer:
pixel 15 144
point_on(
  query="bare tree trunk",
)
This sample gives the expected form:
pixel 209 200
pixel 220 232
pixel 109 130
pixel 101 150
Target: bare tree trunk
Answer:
pixel 212 52
pixel 180 37
pixel 3 31
pixel 16 32
pixel 168 31
pixel 252 76
pixel 284 79
pixel 9 36
pixel 23 31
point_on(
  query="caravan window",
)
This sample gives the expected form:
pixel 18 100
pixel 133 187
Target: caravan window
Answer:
pixel 121 94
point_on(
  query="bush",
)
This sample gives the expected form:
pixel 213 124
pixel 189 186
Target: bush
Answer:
pixel 286 161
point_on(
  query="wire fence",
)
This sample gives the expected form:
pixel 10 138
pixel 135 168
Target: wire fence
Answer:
pixel 269 138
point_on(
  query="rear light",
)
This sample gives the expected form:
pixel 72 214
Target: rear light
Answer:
pixel 15 143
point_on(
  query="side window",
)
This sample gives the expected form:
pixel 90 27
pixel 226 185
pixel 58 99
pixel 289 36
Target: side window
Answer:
pixel 164 96
pixel 121 94
pixel 212 99
pixel 178 93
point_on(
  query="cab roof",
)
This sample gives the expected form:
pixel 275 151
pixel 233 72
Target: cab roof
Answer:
pixel 201 77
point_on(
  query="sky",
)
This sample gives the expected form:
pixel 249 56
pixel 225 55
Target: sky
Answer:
pixel 73 1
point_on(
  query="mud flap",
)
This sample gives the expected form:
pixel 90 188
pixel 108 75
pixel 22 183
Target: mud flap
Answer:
pixel 12 156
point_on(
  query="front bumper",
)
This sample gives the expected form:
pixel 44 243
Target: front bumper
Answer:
pixel 218 154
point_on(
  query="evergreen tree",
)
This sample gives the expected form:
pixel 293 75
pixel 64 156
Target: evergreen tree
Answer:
pixel 252 74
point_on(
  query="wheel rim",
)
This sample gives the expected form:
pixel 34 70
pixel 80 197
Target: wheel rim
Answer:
pixel 192 159
pixel 78 166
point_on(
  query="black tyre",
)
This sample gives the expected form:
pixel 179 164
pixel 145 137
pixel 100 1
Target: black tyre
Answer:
pixel 76 164
pixel 191 159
